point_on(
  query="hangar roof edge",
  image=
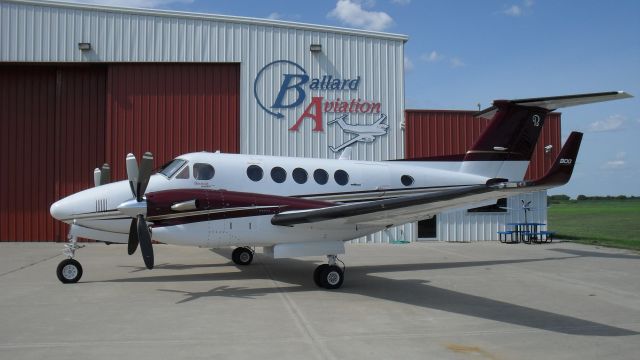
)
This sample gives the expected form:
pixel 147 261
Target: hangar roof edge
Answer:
pixel 213 17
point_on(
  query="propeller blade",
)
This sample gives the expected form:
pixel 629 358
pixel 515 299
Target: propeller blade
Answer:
pixel 133 237
pixel 144 235
pixel 132 172
pixel 105 176
pixel 96 177
pixel 146 166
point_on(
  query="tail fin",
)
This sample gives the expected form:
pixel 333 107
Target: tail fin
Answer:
pixel 505 148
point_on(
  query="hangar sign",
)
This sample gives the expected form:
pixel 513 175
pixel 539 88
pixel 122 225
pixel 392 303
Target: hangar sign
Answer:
pixel 293 84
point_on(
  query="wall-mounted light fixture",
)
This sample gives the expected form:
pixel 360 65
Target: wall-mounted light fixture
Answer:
pixel 548 148
pixel 315 47
pixel 84 46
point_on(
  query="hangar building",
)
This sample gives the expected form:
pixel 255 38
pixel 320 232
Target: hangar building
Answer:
pixel 81 85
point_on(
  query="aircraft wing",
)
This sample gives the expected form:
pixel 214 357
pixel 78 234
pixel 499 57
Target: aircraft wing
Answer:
pixel 397 211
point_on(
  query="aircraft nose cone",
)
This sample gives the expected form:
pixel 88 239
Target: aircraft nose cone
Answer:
pixel 59 211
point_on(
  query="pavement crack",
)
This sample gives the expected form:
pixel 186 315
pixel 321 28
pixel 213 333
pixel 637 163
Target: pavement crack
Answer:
pixel 30 265
pixel 312 337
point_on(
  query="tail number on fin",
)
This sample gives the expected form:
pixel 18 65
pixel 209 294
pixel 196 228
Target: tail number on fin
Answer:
pixel 566 161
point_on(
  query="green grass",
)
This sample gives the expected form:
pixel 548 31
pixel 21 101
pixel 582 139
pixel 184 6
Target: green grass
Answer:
pixel 614 223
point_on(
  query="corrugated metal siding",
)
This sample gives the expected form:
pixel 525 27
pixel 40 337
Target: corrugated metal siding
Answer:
pixel 40 32
pixel 170 109
pixel 52 121
pixel 449 132
pixel 43 32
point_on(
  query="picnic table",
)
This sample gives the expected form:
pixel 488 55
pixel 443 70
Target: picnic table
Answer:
pixel 525 232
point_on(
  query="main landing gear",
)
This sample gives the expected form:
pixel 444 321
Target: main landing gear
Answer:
pixel 242 256
pixel 69 270
pixel 329 276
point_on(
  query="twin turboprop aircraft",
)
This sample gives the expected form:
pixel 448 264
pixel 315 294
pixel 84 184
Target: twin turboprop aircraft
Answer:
pixel 309 207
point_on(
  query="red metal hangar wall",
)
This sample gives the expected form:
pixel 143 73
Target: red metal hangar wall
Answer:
pixel 59 122
pixel 451 132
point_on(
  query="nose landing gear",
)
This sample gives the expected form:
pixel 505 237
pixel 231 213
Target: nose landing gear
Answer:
pixel 69 270
pixel 329 276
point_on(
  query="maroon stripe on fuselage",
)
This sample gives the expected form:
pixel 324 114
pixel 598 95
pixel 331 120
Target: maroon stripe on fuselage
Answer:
pixel 218 201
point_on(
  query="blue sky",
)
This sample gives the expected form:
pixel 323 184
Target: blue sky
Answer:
pixel 461 53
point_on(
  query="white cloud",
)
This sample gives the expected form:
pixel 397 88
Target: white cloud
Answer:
pixel 134 3
pixel 513 10
pixel 432 56
pixel 618 163
pixel 351 13
pixel 456 62
pixel 612 123
pixel 518 10
pixel 401 2
pixel 275 16
pixel 408 64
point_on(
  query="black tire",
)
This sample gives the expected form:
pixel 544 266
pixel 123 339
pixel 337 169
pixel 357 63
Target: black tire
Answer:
pixel 317 274
pixel 69 271
pixel 242 256
pixel 332 277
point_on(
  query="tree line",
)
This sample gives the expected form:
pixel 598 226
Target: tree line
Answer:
pixel 560 198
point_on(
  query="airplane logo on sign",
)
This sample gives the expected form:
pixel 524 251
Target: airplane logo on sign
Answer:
pixel 365 133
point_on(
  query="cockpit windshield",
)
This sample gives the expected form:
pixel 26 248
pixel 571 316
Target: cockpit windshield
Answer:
pixel 170 168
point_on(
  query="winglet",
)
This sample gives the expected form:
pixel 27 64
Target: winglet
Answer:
pixel 562 168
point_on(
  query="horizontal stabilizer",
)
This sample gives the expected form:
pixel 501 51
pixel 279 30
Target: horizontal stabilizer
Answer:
pixel 556 102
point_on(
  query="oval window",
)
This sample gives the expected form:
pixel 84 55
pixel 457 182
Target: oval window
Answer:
pixel 254 172
pixel 300 175
pixel 406 180
pixel 341 177
pixel 321 176
pixel 203 171
pixel 278 174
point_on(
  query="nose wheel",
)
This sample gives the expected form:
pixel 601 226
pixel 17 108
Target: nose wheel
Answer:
pixel 329 276
pixel 69 270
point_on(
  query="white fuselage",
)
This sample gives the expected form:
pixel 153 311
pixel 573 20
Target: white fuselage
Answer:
pixel 95 208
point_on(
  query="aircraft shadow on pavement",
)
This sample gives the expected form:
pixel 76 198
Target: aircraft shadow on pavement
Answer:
pixel 291 275
pixel 599 254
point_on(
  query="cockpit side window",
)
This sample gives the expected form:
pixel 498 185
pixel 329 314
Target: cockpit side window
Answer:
pixel 203 171
pixel 184 174
pixel 170 168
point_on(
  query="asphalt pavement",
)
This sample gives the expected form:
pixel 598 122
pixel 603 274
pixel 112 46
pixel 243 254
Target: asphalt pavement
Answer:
pixel 483 300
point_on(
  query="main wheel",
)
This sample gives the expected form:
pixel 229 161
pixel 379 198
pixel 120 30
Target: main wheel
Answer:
pixel 317 274
pixel 332 277
pixel 69 271
pixel 242 256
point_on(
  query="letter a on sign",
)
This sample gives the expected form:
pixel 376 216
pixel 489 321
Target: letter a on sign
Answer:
pixel 316 104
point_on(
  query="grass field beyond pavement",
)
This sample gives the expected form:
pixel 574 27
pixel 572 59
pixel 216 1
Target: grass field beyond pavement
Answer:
pixel 606 222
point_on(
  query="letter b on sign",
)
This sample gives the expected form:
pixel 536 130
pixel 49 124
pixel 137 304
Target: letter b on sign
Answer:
pixel 289 83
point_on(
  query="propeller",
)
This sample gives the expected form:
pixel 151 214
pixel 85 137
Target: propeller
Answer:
pixel 137 207
pixel 101 177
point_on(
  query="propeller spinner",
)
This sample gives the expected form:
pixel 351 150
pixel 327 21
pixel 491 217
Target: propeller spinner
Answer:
pixel 137 207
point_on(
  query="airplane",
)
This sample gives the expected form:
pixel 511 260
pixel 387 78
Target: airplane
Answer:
pixel 309 207
pixel 365 133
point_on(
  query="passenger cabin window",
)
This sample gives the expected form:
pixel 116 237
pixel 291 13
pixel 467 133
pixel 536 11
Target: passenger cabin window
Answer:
pixel 341 177
pixel 278 174
pixel 255 173
pixel 169 169
pixel 300 175
pixel 203 171
pixel 321 176
pixel 184 174
pixel 406 180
